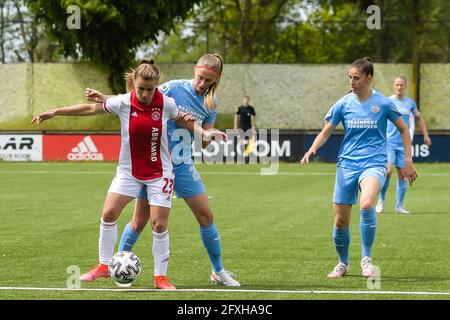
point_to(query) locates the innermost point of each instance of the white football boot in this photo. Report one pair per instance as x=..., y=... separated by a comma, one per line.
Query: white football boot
x=379, y=207
x=340, y=270
x=401, y=210
x=224, y=278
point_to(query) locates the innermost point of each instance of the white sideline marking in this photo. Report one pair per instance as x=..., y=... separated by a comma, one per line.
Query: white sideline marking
x=112, y=172
x=427, y=293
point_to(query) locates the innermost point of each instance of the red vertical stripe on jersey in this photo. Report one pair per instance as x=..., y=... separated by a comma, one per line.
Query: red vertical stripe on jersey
x=145, y=131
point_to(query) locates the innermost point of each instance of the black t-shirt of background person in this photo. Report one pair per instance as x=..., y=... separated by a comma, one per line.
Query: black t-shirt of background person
x=245, y=117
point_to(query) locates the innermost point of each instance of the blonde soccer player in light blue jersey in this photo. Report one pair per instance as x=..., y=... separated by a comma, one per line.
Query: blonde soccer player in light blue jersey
x=395, y=151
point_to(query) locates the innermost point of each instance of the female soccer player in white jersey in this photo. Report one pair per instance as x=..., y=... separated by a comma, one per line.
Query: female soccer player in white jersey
x=362, y=160
x=143, y=113
x=395, y=151
x=196, y=97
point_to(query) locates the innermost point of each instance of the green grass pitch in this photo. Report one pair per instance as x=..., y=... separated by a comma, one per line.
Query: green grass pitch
x=276, y=234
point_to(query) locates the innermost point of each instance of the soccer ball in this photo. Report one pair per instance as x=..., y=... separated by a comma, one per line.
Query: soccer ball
x=124, y=267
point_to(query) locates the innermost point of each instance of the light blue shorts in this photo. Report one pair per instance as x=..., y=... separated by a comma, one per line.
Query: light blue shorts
x=188, y=182
x=396, y=156
x=347, y=183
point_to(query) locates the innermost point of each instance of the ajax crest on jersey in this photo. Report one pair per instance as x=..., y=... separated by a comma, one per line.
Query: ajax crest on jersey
x=124, y=267
x=155, y=116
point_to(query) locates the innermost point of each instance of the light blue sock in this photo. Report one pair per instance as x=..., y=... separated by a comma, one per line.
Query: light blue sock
x=401, y=192
x=385, y=188
x=341, y=239
x=129, y=238
x=368, y=228
x=211, y=241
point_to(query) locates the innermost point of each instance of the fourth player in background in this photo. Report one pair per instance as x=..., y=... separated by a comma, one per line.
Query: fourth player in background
x=395, y=149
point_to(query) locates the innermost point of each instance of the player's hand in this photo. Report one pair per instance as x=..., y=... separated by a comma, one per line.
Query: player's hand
x=216, y=134
x=43, y=116
x=187, y=116
x=307, y=155
x=94, y=95
x=427, y=140
x=410, y=171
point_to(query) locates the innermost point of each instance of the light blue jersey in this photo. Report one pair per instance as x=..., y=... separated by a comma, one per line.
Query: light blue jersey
x=188, y=182
x=364, y=143
x=405, y=106
x=188, y=101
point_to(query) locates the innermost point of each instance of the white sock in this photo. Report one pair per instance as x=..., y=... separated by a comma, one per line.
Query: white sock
x=161, y=252
x=107, y=241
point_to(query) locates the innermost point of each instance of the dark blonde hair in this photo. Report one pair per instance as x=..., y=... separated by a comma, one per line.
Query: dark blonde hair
x=147, y=70
x=400, y=77
x=214, y=62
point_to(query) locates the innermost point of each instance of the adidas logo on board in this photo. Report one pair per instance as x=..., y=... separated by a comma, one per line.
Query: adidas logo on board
x=85, y=150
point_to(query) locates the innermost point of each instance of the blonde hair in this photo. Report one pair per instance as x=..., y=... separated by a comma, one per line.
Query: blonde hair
x=147, y=70
x=215, y=62
x=400, y=77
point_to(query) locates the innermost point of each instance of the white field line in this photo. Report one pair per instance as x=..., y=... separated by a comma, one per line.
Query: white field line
x=369, y=292
x=442, y=174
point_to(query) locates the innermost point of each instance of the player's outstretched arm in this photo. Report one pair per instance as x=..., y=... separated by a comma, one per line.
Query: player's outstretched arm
x=319, y=141
x=410, y=171
x=75, y=110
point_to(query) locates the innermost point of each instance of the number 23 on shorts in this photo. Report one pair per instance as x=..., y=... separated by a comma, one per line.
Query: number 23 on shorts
x=168, y=186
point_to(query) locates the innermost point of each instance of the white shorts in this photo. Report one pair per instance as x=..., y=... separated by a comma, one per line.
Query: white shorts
x=159, y=191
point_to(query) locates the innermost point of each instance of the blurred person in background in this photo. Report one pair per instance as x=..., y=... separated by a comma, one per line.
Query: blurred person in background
x=395, y=150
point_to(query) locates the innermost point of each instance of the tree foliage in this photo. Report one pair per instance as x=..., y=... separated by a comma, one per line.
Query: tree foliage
x=110, y=30
x=20, y=34
x=242, y=31
x=400, y=20
x=320, y=31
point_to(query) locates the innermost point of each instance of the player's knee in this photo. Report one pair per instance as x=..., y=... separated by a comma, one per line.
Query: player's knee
x=365, y=204
x=159, y=227
x=205, y=220
x=341, y=223
x=204, y=217
x=109, y=216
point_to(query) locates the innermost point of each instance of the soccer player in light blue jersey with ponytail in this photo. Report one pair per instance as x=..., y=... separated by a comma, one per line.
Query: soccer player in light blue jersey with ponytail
x=362, y=161
x=395, y=151
x=197, y=98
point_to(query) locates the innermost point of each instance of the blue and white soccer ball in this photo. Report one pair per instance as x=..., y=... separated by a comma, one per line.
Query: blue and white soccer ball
x=124, y=267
